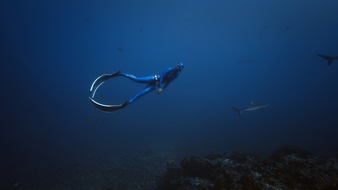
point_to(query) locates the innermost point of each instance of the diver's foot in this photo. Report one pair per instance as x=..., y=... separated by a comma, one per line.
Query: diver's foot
x=124, y=104
x=117, y=73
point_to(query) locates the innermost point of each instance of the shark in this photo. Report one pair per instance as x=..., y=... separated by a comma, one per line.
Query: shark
x=329, y=59
x=252, y=107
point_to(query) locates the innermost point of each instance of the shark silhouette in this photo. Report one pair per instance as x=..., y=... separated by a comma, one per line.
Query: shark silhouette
x=329, y=59
x=253, y=107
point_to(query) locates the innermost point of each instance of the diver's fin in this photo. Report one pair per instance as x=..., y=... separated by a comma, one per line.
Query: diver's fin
x=329, y=59
x=237, y=110
x=100, y=80
x=107, y=108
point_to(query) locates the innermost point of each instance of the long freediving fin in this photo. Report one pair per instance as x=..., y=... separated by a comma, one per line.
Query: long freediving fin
x=329, y=59
x=100, y=80
x=107, y=108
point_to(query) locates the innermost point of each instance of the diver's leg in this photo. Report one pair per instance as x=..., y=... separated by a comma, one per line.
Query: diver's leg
x=114, y=108
x=145, y=79
x=146, y=90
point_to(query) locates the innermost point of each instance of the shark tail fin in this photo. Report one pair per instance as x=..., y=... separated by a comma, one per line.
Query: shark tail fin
x=237, y=110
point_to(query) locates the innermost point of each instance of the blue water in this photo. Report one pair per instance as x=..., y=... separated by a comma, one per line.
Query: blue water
x=234, y=51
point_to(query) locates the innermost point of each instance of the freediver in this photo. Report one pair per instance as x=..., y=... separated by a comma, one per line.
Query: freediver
x=159, y=82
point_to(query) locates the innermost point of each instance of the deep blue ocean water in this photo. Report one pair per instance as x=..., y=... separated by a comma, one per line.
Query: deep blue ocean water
x=234, y=51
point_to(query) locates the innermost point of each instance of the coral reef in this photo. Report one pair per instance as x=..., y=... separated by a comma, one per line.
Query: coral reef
x=289, y=167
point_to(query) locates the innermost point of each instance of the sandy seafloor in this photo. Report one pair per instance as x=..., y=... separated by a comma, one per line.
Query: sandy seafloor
x=131, y=168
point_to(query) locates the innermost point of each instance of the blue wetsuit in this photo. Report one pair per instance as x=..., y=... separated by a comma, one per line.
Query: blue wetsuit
x=159, y=82
x=153, y=82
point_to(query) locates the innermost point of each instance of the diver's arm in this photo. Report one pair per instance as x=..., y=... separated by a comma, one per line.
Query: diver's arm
x=165, y=85
x=164, y=73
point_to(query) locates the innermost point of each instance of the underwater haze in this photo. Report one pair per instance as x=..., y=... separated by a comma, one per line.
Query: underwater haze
x=236, y=53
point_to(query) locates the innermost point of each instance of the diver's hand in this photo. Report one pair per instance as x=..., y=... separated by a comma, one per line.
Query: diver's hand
x=159, y=90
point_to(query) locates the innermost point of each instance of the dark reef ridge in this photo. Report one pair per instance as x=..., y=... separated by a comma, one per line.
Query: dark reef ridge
x=289, y=167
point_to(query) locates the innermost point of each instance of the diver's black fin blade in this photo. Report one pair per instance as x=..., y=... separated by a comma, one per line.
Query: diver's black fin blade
x=106, y=108
x=329, y=59
x=100, y=80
